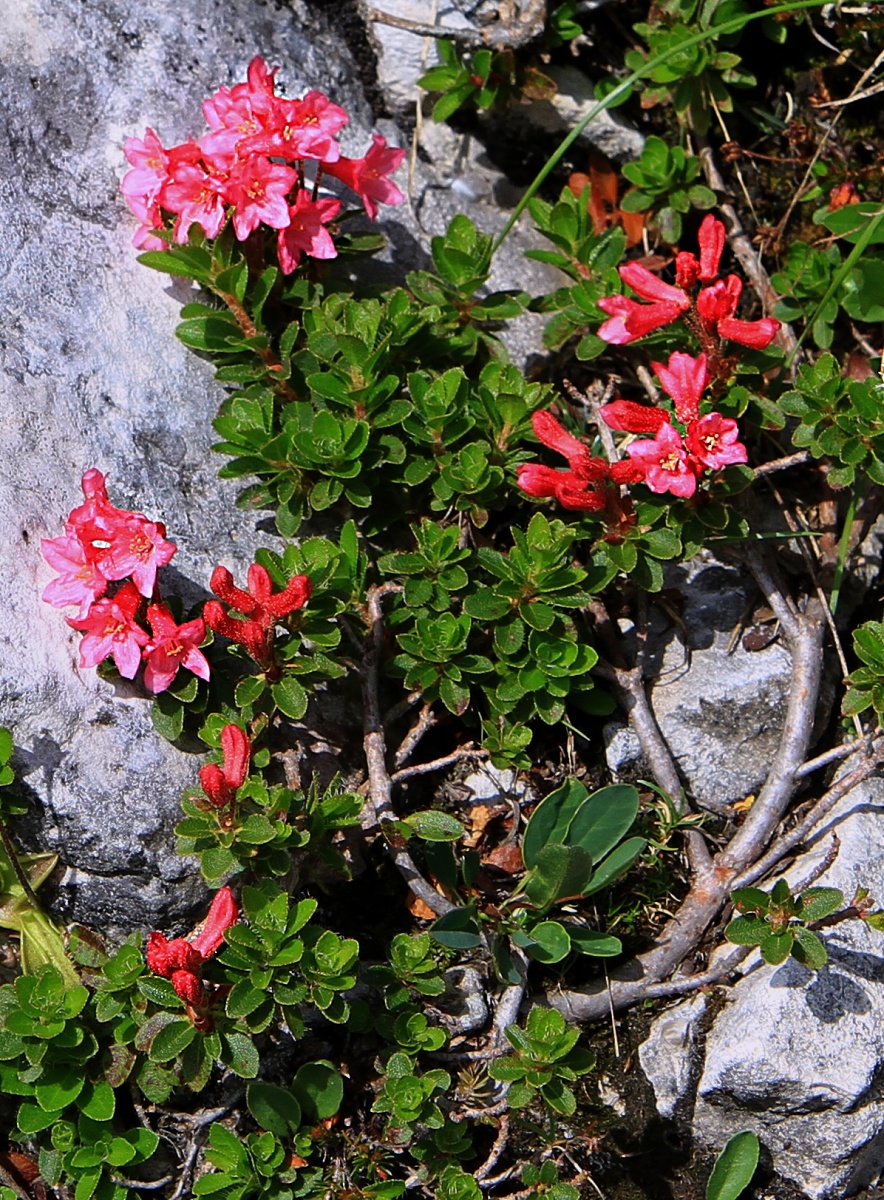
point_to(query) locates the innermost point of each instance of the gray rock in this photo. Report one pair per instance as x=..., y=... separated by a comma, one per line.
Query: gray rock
x=623, y=752
x=668, y=1056
x=797, y=1055
x=720, y=707
x=402, y=56
x=609, y=132
x=93, y=376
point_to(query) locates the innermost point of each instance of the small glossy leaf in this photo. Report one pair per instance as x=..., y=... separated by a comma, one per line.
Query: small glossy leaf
x=274, y=1108
x=319, y=1088
x=734, y=1167
x=432, y=825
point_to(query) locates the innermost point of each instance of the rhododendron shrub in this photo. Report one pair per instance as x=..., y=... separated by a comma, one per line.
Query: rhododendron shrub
x=261, y=165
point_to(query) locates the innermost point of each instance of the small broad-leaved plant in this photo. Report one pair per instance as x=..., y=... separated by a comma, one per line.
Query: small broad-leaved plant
x=777, y=922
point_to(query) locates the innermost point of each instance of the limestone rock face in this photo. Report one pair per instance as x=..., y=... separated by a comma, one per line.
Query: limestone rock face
x=797, y=1055
x=92, y=375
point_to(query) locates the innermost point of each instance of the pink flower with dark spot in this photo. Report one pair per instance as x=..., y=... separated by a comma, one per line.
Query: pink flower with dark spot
x=197, y=197
x=367, y=176
x=667, y=466
x=111, y=632
x=714, y=441
x=306, y=232
x=172, y=646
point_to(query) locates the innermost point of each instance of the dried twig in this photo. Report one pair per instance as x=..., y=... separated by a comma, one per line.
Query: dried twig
x=438, y=764
x=527, y=24
x=375, y=748
x=805, y=826
x=425, y=720
x=782, y=464
x=496, y=1152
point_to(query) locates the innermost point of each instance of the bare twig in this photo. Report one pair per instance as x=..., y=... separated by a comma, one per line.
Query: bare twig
x=692, y=983
x=438, y=764
x=834, y=755
x=408, y=745
x=805, y=826
x=782, y=464
x=375, y=748
x=496, y=1152
x=525, y=27
x=591, y=401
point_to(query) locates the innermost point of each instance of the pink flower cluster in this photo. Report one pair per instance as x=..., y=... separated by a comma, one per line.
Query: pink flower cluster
x=673, y=460
x=105, y=545
x=182, y=961
x=251, y=164
x=678, y=454
x=710, y=314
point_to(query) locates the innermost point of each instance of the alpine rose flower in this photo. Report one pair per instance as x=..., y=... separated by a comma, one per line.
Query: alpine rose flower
x=666, y=465
x=261, y=608
x=222, y=783
x=172, y=646
x=111, y=631
x=711, y=313
x=580, y=489
x=181, y=961
x=251, y=167
x=714, y=442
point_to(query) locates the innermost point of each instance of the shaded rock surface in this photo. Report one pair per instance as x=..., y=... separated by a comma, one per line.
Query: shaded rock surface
x=721, y=707
x=93, y=376
x=797, y=1055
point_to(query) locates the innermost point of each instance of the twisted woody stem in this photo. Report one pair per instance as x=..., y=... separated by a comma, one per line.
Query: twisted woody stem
x=644, y=975
x=380, y=785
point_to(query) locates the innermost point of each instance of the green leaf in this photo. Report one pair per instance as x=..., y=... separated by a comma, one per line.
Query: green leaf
x=434, y=826
x=486, y=606
x=547, y=942
x=551, y=819
x=819, y=902
x=319, y=1088
x=457, y=930
x=560, y=873
x=593, y=943
x=616, y=864
x=97, y=1101
x=734, y=1167
x=603, y=819
x=171, y=1040
x=274, y=1108
x=238, y=1052
x=290, y=697
x=808, y=949
x=777, y=947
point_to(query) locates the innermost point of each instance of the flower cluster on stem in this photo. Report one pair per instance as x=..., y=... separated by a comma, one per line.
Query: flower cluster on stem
x=251, y=166
x=221, y=783
x=181, y=961
x=261, y=609
x=708, y=311
x=103, y=546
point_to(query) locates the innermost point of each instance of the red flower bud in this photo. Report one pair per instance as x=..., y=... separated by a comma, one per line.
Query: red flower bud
x=190, y=989
x=630, y=417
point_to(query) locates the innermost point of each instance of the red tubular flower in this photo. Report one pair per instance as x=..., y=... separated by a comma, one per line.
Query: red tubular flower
x=684, y=379
x=221, y=783
x=260, y=606
x=630, y=417
x=711, y=238
x=755, y=334
x=182, y=961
